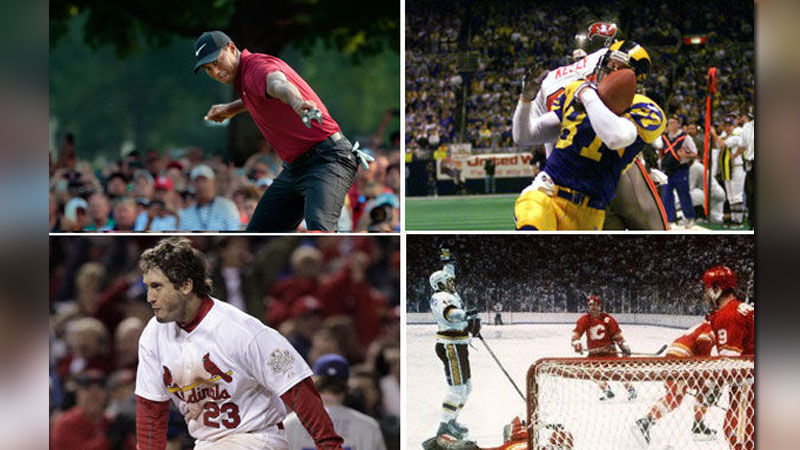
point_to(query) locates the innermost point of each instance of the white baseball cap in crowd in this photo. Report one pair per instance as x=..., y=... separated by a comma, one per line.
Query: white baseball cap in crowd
x=201, y=170
x=72, y=206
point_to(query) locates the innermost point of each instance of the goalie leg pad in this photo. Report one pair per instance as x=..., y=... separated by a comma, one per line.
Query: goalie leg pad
x=454, y=400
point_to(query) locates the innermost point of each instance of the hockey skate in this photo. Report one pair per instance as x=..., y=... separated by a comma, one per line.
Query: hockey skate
x=700, y=432
x=641, y=431
x=451, y=428
x=459, y=427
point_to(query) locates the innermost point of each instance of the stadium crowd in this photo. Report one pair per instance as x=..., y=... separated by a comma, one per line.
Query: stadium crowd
x=633, y=274
x=470, y=56
x=325, y=295
x=161, y=191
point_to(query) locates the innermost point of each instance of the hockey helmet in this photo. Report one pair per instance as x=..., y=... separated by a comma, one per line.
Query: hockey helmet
x=720, y=277
x=439, y=277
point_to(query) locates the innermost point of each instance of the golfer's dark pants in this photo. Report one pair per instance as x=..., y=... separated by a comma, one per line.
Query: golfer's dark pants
x=313, y=186
x=678, y=181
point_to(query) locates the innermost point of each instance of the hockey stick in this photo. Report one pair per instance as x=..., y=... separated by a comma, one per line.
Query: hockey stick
x=604, y=349
x=501, y=368
x=660, y=350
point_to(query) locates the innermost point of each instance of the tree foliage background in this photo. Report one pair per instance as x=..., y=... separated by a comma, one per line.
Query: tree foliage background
x=121, y=71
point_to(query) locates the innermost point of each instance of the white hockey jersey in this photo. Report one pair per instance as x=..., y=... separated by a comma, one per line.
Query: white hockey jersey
x=451, y=328
x=226, y=376
x=359, y=431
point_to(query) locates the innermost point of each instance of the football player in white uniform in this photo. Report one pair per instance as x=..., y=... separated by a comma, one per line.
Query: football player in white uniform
x=456, y=328
x=359, y=431
x=230, y=376
x=732, y=167
x=636, y=204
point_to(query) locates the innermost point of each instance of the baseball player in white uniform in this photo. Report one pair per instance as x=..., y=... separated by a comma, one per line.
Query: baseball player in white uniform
x=230, y=376
x=359, y=431
x=636, y=204
x=456, y=328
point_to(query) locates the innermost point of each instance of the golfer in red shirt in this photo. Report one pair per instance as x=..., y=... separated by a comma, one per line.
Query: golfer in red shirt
x=319, y=163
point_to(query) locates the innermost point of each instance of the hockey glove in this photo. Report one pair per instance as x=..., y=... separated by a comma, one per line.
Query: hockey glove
x=444, y=254
x=626, y=350
x=474, y=327
x=577, y=346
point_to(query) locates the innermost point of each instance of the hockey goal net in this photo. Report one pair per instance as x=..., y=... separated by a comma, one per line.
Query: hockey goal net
x=565, y=410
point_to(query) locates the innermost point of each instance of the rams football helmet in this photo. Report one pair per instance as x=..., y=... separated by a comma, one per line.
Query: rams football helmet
x=626, y=54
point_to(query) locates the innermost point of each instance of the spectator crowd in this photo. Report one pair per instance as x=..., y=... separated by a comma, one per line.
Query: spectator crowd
x=633, y=274
x=190, y=190
x=325, y=295
x=465, y=59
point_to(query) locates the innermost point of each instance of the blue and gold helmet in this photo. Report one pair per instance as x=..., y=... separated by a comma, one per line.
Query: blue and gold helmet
x=629, y=54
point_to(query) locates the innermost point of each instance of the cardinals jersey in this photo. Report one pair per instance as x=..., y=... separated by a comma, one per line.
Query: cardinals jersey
x=734, y=326
x=446, y=309
x=599, y=330
x=582, y=162
x=359, y=431
x=556, y=80
x=225, y=376
x=696, y=341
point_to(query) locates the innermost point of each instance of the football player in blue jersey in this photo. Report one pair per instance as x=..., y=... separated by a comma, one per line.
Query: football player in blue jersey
x=594, y=148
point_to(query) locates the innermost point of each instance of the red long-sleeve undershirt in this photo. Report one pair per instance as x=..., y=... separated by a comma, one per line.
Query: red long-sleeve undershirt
x=303, y=398
x=151, y=424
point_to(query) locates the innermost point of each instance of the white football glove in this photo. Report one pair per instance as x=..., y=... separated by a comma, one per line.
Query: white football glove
x=543, y=183
x=658, y=177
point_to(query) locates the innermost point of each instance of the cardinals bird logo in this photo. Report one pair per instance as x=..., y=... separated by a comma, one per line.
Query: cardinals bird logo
x=212, y=368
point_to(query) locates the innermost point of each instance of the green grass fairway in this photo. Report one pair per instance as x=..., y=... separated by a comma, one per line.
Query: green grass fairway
x=481, y=212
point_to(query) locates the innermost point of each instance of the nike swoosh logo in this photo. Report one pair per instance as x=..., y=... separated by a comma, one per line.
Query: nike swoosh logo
x=197, y=53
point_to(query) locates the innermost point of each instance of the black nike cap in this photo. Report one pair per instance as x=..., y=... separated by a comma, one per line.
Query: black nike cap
x=208, y=46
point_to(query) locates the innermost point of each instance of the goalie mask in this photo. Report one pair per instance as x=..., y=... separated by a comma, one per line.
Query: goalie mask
x=623, y=54
x=596, y=36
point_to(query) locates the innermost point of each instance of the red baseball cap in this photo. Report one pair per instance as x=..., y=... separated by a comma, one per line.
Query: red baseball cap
x=175, y=165
x=163, y=182
x=306, y=305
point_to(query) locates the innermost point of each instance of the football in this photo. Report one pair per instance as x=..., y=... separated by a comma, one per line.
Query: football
x=617, y=89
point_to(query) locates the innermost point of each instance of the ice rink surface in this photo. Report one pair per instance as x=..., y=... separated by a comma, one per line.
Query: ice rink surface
x=494, y=402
